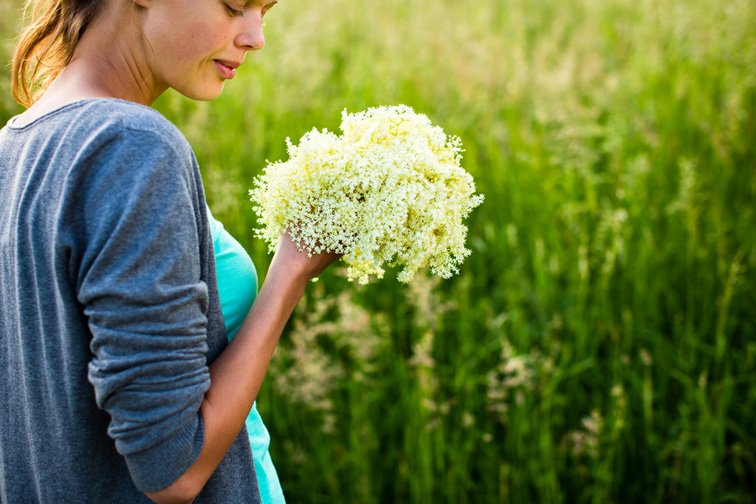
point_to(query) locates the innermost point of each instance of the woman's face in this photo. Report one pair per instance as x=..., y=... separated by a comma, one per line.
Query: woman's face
x=195, y=46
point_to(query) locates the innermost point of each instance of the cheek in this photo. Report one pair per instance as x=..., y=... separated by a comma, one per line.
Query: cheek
x=188, y=49
x=184, y=41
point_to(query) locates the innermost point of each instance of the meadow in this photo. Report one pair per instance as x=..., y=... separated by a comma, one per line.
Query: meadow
x=598, y=345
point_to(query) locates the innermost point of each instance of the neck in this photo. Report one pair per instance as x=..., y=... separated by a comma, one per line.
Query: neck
x=110, y=61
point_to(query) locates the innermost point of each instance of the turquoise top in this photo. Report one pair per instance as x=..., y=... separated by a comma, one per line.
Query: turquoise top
x=237, y=286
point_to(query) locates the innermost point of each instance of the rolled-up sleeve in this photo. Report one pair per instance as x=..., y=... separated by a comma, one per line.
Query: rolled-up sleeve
x=140, y=285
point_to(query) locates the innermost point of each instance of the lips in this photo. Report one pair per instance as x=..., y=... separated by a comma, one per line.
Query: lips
x=227, y=69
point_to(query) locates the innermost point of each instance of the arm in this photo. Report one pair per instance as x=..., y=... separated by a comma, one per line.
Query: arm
x=236, y=376
x=136, y=261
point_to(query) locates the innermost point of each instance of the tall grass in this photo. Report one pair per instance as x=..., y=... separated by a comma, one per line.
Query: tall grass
x=598, y=346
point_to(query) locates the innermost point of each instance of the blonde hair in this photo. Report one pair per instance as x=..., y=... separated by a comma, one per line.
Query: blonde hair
x=45, y=47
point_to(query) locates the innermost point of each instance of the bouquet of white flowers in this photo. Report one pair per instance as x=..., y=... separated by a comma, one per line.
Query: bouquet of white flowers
x=389, y=191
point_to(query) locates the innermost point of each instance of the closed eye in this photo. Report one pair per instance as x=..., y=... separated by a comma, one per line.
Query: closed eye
x=233, y=12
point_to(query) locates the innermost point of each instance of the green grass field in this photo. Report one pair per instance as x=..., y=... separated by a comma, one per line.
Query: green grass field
x=598, y=346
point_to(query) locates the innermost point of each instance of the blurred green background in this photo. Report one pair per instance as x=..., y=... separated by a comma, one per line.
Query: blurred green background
x=598, y=346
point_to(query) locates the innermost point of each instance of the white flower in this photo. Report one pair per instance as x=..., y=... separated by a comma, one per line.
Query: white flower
x=389, y=191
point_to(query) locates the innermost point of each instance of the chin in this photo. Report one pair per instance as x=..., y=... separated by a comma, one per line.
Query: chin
x=206, y=93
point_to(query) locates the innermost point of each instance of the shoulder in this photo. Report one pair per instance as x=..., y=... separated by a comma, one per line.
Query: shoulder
x=106, y=137
x=129, y=152
x=80, y=134
x=127, y=121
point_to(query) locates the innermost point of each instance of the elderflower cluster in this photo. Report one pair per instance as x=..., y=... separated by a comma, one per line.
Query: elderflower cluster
x=388, y=191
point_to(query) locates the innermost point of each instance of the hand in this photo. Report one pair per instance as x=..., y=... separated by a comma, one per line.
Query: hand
x=289, y=259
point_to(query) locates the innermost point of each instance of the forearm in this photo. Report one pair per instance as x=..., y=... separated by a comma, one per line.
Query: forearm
x=236, y=378
x=237, y=375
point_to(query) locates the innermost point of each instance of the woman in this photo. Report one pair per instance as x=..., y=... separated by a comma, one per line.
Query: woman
x=116, y=380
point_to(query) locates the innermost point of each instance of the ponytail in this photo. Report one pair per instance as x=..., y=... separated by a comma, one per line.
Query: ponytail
x=46, y=46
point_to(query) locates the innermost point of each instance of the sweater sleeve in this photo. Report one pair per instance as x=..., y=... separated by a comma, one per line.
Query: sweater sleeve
x=139, y=281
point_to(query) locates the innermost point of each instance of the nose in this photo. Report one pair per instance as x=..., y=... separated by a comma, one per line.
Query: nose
x=251, y=38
